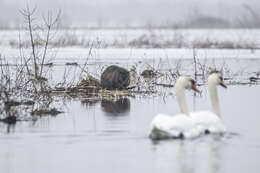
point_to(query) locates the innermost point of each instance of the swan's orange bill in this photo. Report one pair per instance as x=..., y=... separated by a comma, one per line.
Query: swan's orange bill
x=194, y=87
x=223, y=84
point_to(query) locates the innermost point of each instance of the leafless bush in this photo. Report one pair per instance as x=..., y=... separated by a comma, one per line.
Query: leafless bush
x=38, y=54
x=26, y=79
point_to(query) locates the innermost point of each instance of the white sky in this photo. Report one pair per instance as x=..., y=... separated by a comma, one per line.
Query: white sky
x=128, y=12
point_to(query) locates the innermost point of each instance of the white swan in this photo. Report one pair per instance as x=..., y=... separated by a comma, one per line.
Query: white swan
x=180, y=125
x=211, y=122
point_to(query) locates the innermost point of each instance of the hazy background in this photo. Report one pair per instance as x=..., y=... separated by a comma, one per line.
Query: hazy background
x=140, y=13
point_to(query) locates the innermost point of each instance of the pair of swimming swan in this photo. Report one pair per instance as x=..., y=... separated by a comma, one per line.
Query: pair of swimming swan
x=190, y=124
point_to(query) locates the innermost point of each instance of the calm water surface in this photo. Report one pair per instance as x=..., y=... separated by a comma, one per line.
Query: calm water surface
x=113, y=137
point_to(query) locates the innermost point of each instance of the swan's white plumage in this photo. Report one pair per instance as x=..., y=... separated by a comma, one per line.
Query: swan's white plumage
x=211, y=121
x=208, y=121
x=180, y=125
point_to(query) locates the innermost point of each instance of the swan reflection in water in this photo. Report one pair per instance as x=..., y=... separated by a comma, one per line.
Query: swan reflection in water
x=191, y=161
x=190, y=156
x=117, y=107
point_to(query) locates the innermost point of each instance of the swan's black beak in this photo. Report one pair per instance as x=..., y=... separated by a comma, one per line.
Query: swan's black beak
x=223, y=84
x=194, y=88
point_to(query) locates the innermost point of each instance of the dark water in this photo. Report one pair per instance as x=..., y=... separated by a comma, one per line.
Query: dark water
x=113, y=137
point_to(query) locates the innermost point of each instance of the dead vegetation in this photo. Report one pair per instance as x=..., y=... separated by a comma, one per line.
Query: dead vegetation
x=150, y=38
x=24, y=86
x=42, y=112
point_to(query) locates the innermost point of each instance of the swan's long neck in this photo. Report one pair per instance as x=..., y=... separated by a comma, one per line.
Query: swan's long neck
x=181, y=98
x=214, y=98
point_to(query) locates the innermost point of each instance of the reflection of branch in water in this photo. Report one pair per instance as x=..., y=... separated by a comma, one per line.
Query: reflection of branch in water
x=116, y=107
x=10, y=128
x=90, y=102
x=7, y=128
